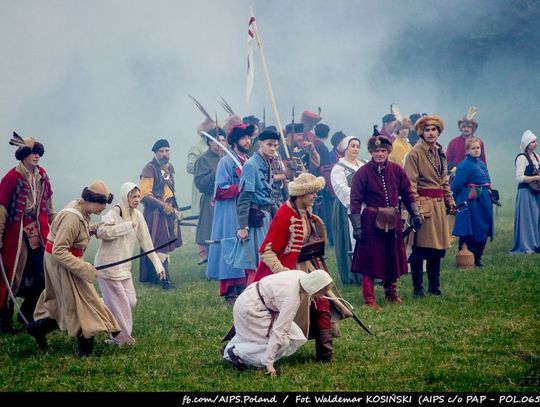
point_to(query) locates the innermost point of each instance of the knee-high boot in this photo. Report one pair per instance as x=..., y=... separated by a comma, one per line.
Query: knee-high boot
x=40, y=328
x=368, y=292
x=6, y=320
x=433, y=269
x=86, y=346
x=323, y=345
x=417, y=273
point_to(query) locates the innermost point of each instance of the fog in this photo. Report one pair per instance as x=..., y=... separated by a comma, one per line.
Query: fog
x=99, y=82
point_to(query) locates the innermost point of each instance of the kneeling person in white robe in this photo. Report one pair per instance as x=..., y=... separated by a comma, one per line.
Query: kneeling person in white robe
x=271, y=317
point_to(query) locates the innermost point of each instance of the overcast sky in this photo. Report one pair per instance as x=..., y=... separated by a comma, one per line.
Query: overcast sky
x=98, y=82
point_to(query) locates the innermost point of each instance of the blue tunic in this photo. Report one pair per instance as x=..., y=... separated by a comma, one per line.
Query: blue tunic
x=224, y=223
x=474, y=220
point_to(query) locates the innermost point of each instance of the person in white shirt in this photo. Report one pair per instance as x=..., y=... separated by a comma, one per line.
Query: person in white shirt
x=271, y=318
x=123, y=227
x=341, y=177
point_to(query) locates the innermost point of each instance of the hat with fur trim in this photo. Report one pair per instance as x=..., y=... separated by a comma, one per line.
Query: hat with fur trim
x=238, y=131
x=429, y=120
x=315, y=281
x=310, y=118
x=305, y=183
x=469, y=118
x=379, y=142
x=26, y=146
x=97, y=192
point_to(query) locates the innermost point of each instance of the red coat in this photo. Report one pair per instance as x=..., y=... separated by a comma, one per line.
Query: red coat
x=14, y=192
x=382, y=255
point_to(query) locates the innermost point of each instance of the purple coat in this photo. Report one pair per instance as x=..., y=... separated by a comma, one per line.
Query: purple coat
x=382, y=255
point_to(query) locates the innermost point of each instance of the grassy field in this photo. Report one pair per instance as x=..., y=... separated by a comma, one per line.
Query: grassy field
x=482, y=335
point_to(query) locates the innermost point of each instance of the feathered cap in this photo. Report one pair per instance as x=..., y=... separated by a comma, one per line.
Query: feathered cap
x=429, y=120
x=402, y=121
x=379, y=142
x=97, y=192
x=208, y=122
x=469, y=118
x=310, y=118
x=305, y=183
x=26, y=146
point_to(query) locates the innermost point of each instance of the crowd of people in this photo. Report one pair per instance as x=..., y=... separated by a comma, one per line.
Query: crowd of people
x=268, y=204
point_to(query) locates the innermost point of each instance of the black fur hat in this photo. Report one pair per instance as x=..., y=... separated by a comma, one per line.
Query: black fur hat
x=26, y=146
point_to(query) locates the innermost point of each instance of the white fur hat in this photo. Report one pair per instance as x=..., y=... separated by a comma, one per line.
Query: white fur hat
x=315, y=281
x=527, y=138
x=305, y=183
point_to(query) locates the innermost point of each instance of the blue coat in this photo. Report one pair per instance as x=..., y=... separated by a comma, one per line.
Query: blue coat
x=476, y=218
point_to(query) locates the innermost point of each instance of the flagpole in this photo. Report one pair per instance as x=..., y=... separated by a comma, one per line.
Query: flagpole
x=269, y=88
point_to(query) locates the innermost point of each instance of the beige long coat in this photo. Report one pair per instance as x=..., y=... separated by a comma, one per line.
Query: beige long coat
x=435, y=232
x=70, y=297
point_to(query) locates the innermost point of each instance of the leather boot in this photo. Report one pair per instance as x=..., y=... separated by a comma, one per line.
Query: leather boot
x=390, y=292
x=6, y=320
x=40, y=328
x=433, y=268
x=368, y=292
x=86, y=346
x=417, y=273
x=323, y=345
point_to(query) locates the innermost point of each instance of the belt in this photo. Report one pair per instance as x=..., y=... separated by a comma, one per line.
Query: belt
x=431, y=193
x=374, y=209
x=73, y=250
x=266, y=208
x=272, y=313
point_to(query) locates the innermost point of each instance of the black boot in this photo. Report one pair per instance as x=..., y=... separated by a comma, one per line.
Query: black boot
x=323, y=345
x=40, y=328
x=86, y=346
x=433, y=268
x=6, y=320
x=417, y=273
x=167, y=284
x=27, y=308
x=231, y=295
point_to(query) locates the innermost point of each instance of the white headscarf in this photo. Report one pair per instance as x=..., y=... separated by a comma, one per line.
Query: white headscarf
x=527, y=138
x=315, y=281
x=125, y=189
x=344, y=144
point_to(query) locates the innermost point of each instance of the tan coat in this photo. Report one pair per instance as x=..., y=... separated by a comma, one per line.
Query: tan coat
x=70, y=297
x=435, y=232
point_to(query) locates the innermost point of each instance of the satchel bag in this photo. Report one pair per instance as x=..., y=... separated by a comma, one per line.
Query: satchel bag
x=386, y=218
x=426, y=207
x=256, y=218
x=311, y=250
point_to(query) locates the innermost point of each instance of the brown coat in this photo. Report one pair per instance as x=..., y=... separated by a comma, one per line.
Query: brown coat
x=70, y=297
x=435, y=232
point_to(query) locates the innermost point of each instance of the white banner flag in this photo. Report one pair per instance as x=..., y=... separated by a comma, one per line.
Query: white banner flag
x=250, y=72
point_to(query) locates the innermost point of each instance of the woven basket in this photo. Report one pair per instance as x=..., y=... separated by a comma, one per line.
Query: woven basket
x=465, y=258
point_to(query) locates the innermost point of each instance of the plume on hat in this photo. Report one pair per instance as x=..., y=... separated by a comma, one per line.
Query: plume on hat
x=18, y=141
x=471, y=113
x=395, y=111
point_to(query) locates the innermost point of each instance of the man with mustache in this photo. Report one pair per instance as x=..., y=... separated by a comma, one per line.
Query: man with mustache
x=160, y=212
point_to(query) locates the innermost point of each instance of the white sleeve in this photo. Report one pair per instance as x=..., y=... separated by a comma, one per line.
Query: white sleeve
x=143, y=236
x=521, y=164
x=113, y=227
x=340, y=185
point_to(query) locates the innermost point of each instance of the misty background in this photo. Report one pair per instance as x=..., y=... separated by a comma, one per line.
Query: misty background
x=99, y=82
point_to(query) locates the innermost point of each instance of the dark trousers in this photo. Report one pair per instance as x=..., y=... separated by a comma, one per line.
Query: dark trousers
x=433, y=268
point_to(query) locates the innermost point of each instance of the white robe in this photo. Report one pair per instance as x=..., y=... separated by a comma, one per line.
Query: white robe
x=281, y=293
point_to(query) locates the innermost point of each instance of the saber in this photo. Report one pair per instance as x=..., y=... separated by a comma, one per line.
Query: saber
x=10, y=293
x=116, y=263
x=224, y=149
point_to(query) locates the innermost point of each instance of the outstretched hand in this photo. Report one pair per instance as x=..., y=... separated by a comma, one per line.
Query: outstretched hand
x=270, y=370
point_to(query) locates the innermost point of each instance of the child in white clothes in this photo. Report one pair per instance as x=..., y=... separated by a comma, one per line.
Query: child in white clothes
x=123, y=227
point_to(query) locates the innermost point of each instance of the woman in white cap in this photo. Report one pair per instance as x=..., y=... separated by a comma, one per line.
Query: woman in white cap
x=527, y=213
x=271, y=318
x=70, y=300
x=341, y=177
x=122, y=230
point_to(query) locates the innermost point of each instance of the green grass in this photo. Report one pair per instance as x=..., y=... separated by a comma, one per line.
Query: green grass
x=482, y=335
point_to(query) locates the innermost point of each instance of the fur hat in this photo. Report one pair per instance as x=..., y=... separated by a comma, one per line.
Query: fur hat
x=428, y=120
x=469, y=119
x=316, y=281
x=337, y=137
x=527, y=138
x=26, y=146
x=238, y=131
x=269, y=134
x=160, y=144
x=322, y=130
x=97, y=192
x=310, y=118
x=305, y=183
x=379, y=142
x=294, y=128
